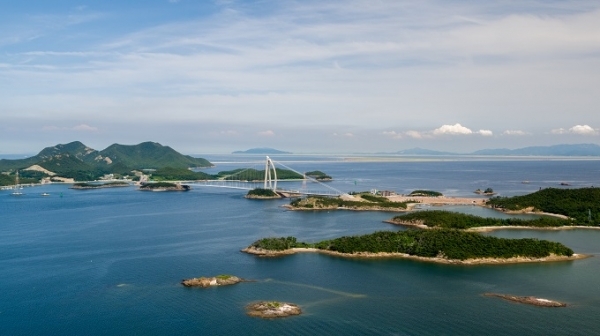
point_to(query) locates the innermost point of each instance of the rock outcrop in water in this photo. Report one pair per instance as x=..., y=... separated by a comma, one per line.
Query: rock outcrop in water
x=530, y=300
x=219, y=280
x=272, y=309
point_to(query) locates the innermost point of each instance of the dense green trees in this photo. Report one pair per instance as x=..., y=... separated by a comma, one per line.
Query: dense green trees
x=262, y=192
x=420, y=192
x=454, y=220
x=447, y=243
x=582, y=204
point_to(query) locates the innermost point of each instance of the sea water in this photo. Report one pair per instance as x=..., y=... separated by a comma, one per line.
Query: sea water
x=110, y=261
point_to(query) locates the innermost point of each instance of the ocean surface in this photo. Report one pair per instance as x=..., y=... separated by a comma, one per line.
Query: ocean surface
x=110, y=261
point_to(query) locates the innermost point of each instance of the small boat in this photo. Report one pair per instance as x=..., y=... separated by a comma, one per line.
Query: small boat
x=45, y=194
x=17, y=186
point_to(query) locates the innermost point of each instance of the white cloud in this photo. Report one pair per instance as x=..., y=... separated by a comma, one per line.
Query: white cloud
x=577, y=129
x=85, y=128
x=79, y=128
x=267, y=133
x=414, y=134
x=485, y=132
x=392, y=134
x=348, y=134
x=456, y=129
x=514, y=132
x=583, y=130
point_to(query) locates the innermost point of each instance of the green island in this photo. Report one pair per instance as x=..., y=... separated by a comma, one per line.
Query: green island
x=438, y=245
x=318, y=175
x=430, y=193
x=261, y=193
x=582, y=204
x=487, y=191
x=455, y=220
x=87, y=185
x=164, y=186
x=361, y=201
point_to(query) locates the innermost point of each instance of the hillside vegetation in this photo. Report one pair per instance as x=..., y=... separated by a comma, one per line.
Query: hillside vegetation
x=327, y=203
x=76, y=160
x=454, y=220
x=446, y=243
x=574, y=203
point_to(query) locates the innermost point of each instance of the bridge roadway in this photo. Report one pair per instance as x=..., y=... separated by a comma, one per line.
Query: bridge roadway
x=249, y=185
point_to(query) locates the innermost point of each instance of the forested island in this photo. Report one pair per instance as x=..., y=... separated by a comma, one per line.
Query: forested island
x=164, y=186
x=439, y=245
x=455, y=220
x=261, y=193
x=582, y=205
x=364, y=201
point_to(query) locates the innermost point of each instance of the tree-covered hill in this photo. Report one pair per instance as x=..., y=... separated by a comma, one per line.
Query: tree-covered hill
x=454, y=220
x=76, y=160
x=450, y=244
x=578, y=204
x=150, y=155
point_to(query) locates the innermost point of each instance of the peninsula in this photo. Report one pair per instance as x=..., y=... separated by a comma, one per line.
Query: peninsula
x=362, y=201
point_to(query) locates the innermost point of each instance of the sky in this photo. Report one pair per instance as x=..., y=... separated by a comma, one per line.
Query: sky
x=302, y=76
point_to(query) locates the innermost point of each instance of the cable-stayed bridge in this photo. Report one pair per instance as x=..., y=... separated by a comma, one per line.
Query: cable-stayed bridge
x=251, y=178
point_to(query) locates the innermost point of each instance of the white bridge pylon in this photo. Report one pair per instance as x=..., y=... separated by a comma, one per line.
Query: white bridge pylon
x=270, y=181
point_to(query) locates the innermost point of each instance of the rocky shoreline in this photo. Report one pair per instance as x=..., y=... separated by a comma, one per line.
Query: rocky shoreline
x=530, y=300
x=368, y=255
x=272, y=309
x=204, y=282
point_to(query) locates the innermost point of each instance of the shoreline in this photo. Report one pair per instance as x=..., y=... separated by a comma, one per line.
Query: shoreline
x=436, y=260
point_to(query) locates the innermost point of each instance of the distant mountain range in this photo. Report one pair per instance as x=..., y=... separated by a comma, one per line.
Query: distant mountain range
x=79, y=161
x=556, y=150
x=262, y=150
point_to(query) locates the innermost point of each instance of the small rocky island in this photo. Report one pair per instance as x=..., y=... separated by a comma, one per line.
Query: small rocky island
x=219, y=280
x=164, y=186
x=530, y=300
x=272, y=309
x=260, y=193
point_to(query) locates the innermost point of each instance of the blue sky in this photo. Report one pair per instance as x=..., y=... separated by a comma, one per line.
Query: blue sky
x=302, y=76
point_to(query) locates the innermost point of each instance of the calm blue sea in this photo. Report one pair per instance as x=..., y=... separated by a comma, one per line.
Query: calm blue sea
x=109, y=261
